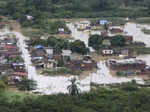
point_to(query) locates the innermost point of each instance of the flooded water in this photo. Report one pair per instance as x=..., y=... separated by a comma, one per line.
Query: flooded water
x=135, y=30
x=54, y=85
x=138, y=35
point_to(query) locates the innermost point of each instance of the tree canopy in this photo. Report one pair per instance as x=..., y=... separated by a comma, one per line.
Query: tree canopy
x=96, y=41
x=128, y=98
x=72, y=8
x=118, y=40
x=58, y=44
x=79, y=47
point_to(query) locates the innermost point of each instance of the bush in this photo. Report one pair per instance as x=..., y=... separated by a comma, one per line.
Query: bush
x=120, y=73
x=118, y=40
x=60, y=71
x=3, y=86
x=79, y=47
x=95, y=41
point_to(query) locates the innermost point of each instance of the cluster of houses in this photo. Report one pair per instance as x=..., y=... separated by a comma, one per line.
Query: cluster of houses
x=93, y=27
x=129, y=67
x=108, y=50
x=107, y=34
x=47, y=58
x=11, y=62
x=124, y=53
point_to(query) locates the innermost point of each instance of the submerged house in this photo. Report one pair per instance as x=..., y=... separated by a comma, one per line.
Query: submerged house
x=38, y=54
x=87, y=63
x=129, y=39
x=61, y=30
x=107, y=52
x=10, y=63
x=18, y=67
x=16, y=77
x=116, y=30
x=104, y=33
x=128, y=65
x=66, y=53
x=49, y=52
x=83, y=25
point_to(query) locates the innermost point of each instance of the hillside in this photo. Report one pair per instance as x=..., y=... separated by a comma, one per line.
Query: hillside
x=74, y=8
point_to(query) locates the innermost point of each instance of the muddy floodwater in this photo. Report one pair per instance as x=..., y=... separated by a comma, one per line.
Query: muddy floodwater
x=58, y=84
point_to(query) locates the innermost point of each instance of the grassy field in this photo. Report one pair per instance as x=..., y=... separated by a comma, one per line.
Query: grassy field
x=143, y=20
x=30, y=32
x=11, y=96
x=60, y=71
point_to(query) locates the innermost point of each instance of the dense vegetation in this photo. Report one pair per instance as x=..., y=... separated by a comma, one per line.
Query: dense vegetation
x=41, y=10
x=72, y=8
x=126, y=99
x=97, y=41
x=60, y=71
x=59, y=44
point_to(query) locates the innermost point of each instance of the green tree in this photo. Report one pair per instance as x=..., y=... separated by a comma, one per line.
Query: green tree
x=73, y=88
x=118, y=40
x=79, y=47
x=96, y=41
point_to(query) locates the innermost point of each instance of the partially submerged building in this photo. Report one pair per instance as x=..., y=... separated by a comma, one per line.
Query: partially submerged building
x=127, y=64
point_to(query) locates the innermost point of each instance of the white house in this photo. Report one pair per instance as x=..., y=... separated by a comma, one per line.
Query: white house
x=107, y=52
x=95, y=32
x=66, y=52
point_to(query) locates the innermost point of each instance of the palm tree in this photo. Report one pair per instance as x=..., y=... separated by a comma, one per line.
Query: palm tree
x=73, y=89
